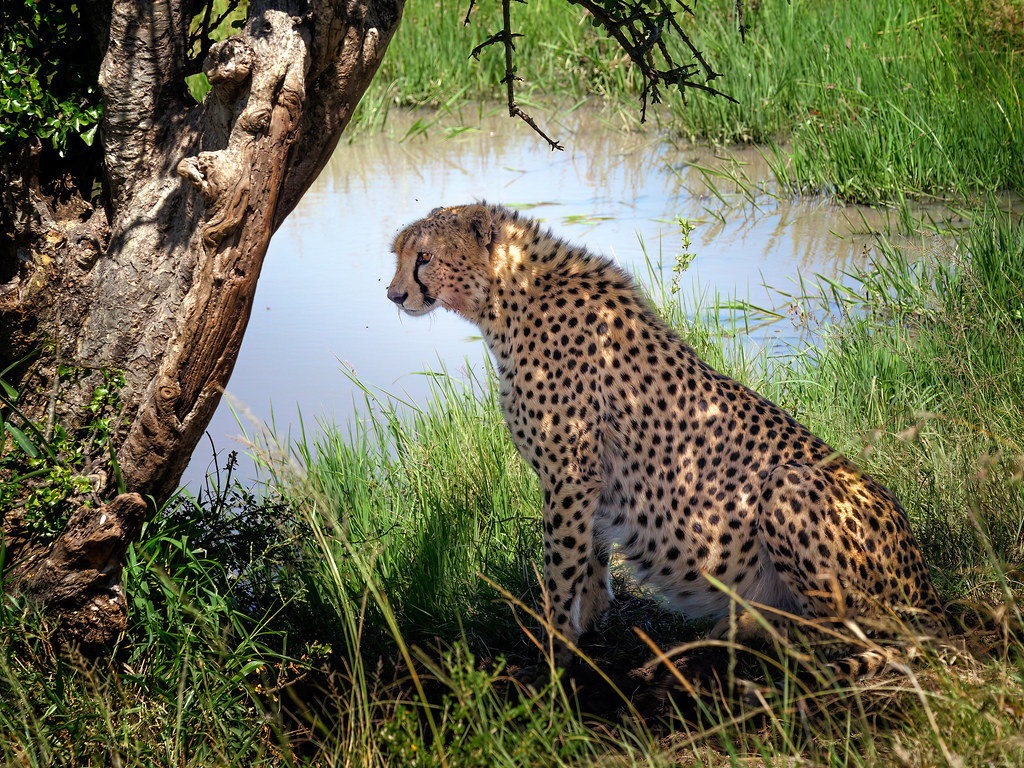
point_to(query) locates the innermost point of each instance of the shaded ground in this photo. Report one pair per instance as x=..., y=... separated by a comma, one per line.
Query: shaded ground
x=684, y=700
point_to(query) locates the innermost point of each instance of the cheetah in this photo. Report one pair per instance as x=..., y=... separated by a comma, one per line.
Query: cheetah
x=641, y=446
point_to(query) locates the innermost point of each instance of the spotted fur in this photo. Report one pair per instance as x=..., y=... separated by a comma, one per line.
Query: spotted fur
x=641, y=446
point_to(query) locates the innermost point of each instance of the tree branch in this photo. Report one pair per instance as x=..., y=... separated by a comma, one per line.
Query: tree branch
x=640, y=32
x=507, y=38
x=640, y=42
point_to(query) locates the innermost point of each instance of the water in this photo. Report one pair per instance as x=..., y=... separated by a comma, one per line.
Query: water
x=321, y=300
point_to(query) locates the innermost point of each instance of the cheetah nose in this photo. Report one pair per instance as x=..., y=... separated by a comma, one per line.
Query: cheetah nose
x=398, y=298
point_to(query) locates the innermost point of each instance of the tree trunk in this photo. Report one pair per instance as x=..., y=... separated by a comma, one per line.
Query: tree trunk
x=157, y=283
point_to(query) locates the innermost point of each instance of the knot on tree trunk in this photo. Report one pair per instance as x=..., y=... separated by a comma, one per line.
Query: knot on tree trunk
x=222, y=178
x=80, y=579
x=246, y=86
x=228, y=65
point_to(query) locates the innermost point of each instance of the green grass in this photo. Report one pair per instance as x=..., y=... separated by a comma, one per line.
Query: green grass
x=873, y=100
x=867, y=101
x=360, y=613
x=427, y=501
x=559, y=51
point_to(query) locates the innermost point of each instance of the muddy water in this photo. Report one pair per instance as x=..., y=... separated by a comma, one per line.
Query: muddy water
x=321, y=300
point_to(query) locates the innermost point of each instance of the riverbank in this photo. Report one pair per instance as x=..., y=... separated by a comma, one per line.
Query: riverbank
x=364, y=607
x=876, y=101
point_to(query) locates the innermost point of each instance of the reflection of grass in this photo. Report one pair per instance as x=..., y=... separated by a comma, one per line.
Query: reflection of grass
x=585, y=218
x=875, y=100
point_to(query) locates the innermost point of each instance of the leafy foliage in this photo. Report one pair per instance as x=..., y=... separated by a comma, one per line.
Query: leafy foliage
x=254, y=546
x=47, y=89
x=43, y=472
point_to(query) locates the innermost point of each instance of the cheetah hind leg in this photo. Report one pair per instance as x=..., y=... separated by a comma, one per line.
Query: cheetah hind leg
x=768, y=629
x=842, y=545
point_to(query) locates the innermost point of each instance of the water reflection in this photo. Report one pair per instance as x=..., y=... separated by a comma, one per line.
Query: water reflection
x=321, y=298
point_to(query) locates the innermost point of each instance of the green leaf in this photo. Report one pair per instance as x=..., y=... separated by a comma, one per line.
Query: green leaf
x=22, y=440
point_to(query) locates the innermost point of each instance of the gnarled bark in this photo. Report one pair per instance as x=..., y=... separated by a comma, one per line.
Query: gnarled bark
x=158, y=283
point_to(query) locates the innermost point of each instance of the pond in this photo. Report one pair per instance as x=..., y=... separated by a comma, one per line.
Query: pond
x=321, y=300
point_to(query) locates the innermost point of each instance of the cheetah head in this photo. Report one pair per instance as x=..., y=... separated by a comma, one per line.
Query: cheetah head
x=443, y=261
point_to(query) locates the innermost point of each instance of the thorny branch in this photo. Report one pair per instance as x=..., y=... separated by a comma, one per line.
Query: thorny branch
x=643, y=29
x=506, y=36
x=639, y=28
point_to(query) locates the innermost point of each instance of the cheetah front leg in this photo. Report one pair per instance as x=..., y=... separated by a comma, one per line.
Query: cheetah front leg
x=575, y=566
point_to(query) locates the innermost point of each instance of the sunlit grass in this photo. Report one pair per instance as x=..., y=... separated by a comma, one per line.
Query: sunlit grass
x=362, y=611
x=868, y=102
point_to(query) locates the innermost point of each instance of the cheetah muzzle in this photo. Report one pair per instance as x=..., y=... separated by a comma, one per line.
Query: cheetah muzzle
x=641, y=446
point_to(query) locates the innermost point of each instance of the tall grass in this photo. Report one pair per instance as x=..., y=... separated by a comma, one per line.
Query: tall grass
x=873, y=99
x=867, y=101
x=389, y=630
x=916, y=381
x=924, y=382
x=186, y=686
x=559, y=52
x=914, y=373
x=426, y=499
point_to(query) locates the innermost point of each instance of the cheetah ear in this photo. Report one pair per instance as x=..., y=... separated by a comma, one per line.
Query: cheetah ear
x=396, y=246
x=478, y=219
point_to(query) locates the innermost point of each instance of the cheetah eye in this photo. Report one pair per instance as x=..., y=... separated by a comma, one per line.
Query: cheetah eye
x=423, y=258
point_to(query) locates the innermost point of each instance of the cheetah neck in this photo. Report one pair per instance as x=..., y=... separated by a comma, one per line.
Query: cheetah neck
x=536, y=278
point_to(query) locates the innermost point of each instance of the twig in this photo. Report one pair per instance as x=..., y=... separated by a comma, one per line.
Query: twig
x=507, y=38
x=530, y=122
x=497, y=37
x=640, y=41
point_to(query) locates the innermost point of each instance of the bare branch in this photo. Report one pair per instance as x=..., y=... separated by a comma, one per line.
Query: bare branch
x=510, y=77
x=530, y=122
x=497, y=37
x=640, y=34
x=642, y=31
